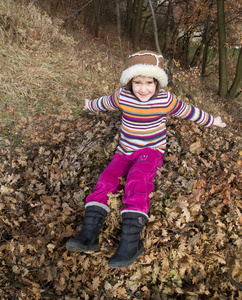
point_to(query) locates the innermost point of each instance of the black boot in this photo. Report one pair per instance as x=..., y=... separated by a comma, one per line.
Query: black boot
x=130, y=247
x=87, y=239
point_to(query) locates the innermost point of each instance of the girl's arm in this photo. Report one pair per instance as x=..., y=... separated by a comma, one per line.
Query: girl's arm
x=104, y=103
x=192, y=113
x=218, y=122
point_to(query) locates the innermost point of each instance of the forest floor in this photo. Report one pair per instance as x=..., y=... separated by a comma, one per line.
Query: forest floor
x=52, y=154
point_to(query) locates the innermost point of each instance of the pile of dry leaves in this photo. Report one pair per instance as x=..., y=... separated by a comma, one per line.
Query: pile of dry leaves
x=192, y=239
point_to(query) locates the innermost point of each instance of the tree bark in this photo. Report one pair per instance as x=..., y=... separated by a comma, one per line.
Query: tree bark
x=187, y=39
x=237, y=83
x=204, y=41
x=119, y=26
x=137, y=30
x=167, y=26
x=97, y=7
x=223, y=78
x=129, y=17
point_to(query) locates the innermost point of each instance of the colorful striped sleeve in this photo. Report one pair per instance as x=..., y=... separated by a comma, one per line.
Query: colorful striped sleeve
x=192, y=113
x=105, y=103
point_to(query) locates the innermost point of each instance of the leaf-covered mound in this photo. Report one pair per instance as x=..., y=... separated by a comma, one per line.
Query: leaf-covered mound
x=192, y=238
x=52, y=154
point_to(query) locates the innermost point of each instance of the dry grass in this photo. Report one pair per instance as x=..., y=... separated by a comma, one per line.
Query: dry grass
x=32, y=62
x=43, y=70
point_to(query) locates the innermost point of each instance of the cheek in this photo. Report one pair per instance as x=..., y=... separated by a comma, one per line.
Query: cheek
x=135, y=88
x=153, y=88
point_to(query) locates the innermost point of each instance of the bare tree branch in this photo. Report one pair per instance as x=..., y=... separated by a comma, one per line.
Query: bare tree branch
x=155, y=28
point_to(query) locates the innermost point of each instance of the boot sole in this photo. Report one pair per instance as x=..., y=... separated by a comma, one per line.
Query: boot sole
x=77, y=247
x=125, y=264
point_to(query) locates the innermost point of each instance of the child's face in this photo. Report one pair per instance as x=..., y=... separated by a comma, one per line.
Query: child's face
x=143, y=87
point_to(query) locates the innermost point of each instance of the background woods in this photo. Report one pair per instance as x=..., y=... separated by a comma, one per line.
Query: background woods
x=51, y=152
x=190, y=31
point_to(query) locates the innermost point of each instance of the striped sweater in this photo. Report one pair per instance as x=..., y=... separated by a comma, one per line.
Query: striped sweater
x=144, y=123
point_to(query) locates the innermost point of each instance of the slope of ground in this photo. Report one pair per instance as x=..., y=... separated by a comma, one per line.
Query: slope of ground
x=52, y=154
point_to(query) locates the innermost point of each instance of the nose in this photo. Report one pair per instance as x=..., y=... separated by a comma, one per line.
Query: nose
x=143, y=88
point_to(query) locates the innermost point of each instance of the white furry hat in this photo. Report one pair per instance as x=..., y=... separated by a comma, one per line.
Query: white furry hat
x=145, y=63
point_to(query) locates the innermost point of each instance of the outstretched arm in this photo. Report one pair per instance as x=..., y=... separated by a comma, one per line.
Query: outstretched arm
x=104, y=103
x=218, y=122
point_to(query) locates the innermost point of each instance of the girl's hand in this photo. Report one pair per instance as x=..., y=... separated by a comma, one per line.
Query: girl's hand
x=86, y=104
x=218, y=122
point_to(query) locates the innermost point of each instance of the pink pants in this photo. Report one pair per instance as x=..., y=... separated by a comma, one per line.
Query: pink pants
x=139, y=169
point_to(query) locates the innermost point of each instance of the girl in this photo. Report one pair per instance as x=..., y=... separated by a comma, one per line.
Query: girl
x=144, y=105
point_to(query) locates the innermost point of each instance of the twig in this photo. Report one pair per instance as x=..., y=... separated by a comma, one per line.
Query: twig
x=101, y=293
x=177, y=233
x=52, y=296
x=238, y=285
x=30, y=268
x=77, y=11
x=55, y=296
x=211, y=221
x=15, y=282
x=9, y=295
x=131, y=294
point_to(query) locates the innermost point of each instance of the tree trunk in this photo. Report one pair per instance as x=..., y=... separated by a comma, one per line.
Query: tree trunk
x=97, y=7
x=203, y=42
x=167, y=26
x=237, y=83
x=155, y=28
x=187, y=39
x=119, y=26
x=137, y=29
x=129, y=17
x=223, y=78
x=205, y=58
x=146, y=19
